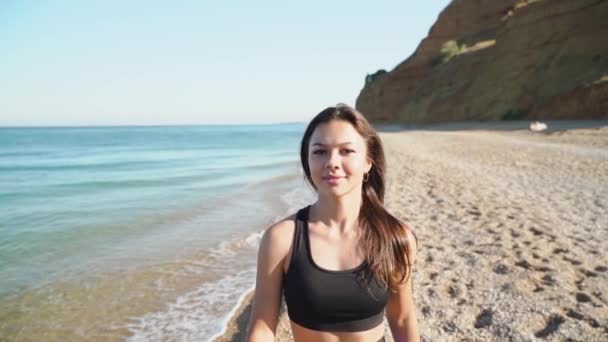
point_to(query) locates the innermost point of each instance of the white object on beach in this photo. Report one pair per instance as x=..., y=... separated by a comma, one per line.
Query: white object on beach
x=537, y=126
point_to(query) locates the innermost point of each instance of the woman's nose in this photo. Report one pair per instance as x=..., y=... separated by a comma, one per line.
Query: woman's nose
x=334, y=161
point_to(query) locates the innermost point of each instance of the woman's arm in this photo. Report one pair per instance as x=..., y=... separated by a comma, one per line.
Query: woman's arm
x=274, y=247
x=400, y=310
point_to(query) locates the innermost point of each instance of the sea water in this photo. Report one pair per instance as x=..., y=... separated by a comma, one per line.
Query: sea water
x=141, y=233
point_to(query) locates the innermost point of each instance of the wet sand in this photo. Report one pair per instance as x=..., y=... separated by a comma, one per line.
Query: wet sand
x=512, y=226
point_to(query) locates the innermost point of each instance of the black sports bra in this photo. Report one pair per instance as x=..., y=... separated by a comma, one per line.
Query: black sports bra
x=327, y=300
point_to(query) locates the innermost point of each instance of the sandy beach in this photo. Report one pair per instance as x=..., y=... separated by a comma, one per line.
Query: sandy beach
x=512, y=226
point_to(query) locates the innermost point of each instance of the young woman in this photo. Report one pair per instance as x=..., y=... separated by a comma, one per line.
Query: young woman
x=344, y=261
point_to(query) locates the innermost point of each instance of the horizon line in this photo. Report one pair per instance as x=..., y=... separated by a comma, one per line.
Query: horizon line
x=150, y=125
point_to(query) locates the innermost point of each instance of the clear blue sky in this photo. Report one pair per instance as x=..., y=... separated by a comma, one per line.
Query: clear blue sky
x=113, y=62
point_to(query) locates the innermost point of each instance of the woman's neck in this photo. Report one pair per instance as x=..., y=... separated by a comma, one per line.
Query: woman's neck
x=337, y=213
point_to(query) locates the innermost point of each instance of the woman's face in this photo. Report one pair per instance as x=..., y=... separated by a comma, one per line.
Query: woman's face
x=337, y=157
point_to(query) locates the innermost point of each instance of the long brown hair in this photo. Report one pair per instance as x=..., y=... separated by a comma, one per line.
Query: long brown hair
x=384, y=236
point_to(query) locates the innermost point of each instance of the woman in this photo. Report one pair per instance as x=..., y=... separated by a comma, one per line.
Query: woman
x=344, y=261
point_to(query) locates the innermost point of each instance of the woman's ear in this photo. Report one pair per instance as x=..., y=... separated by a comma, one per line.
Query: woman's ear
x=368, y=165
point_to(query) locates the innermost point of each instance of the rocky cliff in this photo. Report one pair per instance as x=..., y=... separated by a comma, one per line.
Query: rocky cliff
x=500, y=59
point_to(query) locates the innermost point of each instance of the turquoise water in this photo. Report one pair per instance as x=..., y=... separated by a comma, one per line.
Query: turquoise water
x=81, y=202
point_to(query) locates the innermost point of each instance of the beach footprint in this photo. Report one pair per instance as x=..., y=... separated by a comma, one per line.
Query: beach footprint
x=552, y=325
x=484, y=319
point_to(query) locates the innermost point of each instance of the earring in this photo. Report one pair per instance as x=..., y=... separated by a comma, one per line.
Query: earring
x=365, y=176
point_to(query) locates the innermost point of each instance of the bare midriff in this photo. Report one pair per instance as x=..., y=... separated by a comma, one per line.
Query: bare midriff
x=302, y=334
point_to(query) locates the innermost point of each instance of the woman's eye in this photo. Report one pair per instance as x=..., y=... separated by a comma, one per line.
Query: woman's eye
x=343, y=151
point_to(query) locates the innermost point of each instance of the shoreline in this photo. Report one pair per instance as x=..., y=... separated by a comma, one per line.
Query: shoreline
x=236, y=326
x=233, y=322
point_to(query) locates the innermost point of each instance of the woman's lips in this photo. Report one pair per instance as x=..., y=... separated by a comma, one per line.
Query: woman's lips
x=332, y=180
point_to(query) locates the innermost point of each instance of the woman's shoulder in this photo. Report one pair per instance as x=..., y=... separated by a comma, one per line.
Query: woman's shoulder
x=410, y=233
x=412, y=242
x=282, y=227
x=279, y=235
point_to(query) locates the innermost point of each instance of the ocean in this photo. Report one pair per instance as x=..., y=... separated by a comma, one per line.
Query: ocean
x=137, y=233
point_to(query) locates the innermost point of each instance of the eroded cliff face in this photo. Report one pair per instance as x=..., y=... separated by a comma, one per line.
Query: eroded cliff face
x=500, y=59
